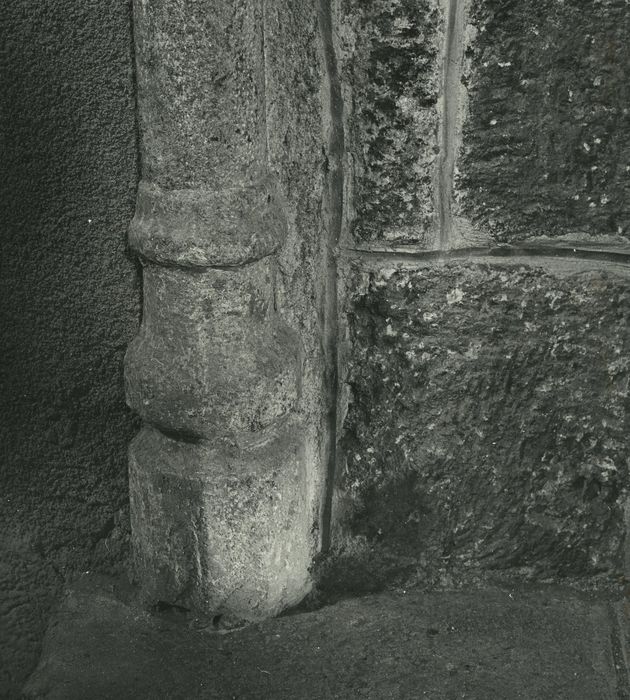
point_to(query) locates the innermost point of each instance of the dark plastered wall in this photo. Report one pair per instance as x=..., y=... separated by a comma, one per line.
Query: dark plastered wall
x=69, y=304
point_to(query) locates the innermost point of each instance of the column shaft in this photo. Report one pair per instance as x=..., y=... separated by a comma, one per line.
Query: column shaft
x=218, y=473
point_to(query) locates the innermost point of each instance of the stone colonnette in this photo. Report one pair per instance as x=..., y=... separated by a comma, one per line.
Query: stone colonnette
x=218, y=496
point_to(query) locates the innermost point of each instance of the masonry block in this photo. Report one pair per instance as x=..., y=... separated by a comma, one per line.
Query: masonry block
x=390, y=67
x=545, y=148
x=487, y=424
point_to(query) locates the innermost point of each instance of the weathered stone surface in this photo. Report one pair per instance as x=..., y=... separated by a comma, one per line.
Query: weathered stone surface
x=487, y=424
x=295, y=122
x=390, y=66
x=221, y=529
x=546, y=143
x=203, y=227
x=223, y=502
x=541, y=644
x=206, y=198
x=201, y=92
x=212, y=358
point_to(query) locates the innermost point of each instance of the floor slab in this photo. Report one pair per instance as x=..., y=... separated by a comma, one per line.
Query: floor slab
x=533, y=643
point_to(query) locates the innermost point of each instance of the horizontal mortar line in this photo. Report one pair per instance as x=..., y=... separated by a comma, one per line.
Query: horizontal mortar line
x=501, y=251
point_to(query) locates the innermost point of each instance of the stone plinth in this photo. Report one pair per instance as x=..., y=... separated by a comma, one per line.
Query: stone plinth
x=216, y=526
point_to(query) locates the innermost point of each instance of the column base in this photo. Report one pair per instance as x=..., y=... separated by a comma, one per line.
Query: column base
x=221, y=529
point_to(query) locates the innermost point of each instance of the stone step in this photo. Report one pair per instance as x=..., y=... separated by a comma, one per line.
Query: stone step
x=535, y=643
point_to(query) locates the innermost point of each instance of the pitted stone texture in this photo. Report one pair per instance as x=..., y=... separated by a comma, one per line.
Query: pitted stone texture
x=29, y=585
x=211, y=357
x=200, y=92
x=546, y=144
x=293, y=101
x=220, y=529
x=488, y=423
x=390, y=66
x=295, y=122
x=207, y=228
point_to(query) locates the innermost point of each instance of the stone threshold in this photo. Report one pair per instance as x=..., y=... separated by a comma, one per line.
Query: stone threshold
x=538, y=643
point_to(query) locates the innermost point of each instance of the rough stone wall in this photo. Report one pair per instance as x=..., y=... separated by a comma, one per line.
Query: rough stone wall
x=546, y=142
x=401, y=148
x=69, y=303
x=483, y=352
x=486, y=121
x=482, y=401
x=488, y=423
x=389, y=63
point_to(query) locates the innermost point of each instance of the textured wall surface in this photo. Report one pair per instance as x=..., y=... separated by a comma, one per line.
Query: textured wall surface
x=488, y=421
x=69, y=303
x=484, y=404
x=546, y=142
x=390, y=67
x=485, y=119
